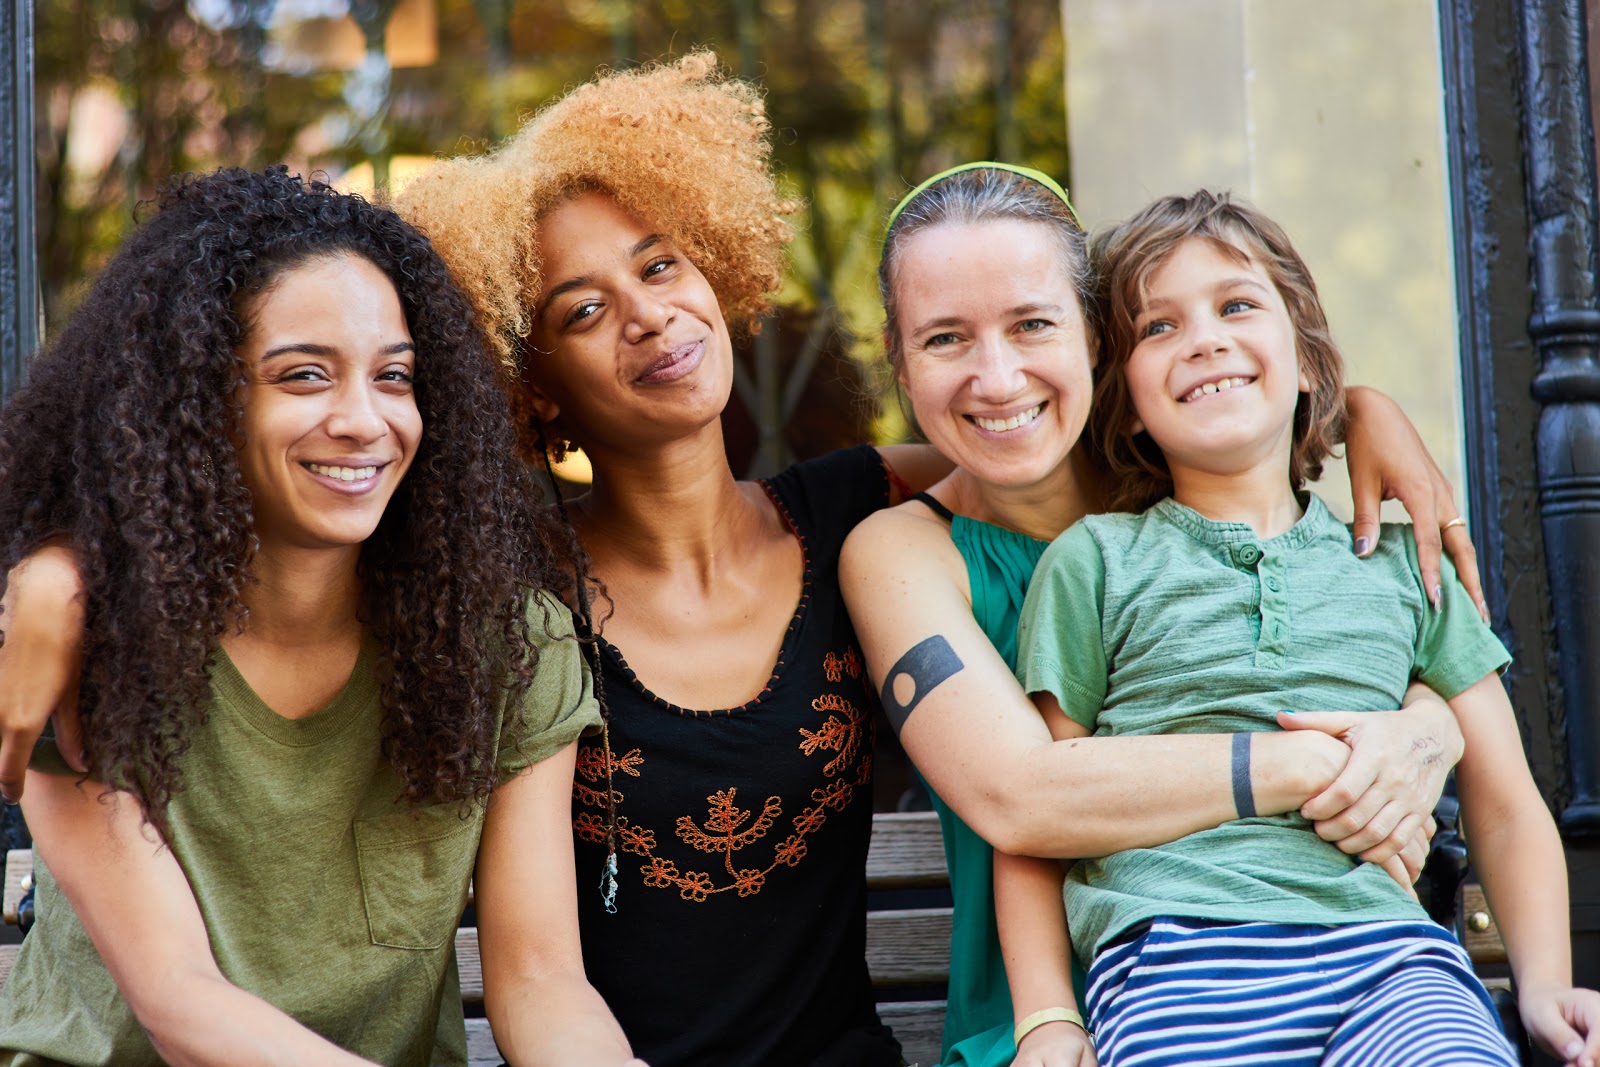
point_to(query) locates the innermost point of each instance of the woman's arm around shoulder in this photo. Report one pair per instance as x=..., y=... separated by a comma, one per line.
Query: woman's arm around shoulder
x=912, y=468
x=540, y=1004
x=137, y=907
x=42, y=616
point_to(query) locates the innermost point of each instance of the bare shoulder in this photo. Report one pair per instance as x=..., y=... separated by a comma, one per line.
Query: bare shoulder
x=899, y=545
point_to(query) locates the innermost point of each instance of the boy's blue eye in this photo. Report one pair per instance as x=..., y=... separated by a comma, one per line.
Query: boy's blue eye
x=1154, y=328
x=1237, y=305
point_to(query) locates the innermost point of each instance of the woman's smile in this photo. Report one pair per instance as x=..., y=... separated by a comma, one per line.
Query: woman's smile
x=678, y=362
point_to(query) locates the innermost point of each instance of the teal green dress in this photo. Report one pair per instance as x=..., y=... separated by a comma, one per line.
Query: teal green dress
x=978, y=1020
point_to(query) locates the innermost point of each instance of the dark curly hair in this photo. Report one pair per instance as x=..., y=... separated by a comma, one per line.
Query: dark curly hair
x=122, y=441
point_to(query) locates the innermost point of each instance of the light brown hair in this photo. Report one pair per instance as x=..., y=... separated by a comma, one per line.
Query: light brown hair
x=1125, y=257
x=972, y=197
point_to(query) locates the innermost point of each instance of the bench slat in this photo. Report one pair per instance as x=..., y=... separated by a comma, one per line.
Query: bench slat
x=908, y=946
x=919, y=1024
x=19, y=867
x=907, y=851
x=470, y=964
x=481, y=1049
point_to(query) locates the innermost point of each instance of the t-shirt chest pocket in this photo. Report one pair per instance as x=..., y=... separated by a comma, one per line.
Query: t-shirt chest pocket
x=415, y=866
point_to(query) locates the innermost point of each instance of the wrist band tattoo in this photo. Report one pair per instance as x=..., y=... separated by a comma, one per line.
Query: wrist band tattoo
x=914, y=676
x=1244, y=799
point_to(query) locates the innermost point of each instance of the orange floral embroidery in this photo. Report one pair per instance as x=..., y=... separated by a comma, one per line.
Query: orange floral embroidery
x=852, y=662
x=721, y=833
x=592, y=762
x=589, y=827
x=845, y=733
x=634, y=840
x=791, y=850
x=594, y=798
x=836, y=735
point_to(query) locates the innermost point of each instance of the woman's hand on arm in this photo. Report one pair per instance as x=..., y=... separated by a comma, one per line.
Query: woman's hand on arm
x=1381, y=807
x=42, y=618
x=1388, y=461
x=978, y=740
x=540, y=1004
x=137, y=907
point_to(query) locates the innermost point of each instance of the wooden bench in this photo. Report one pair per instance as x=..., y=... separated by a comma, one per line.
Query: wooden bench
x=908, y=949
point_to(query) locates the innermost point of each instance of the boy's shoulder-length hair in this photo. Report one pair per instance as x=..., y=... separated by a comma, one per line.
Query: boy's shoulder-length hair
x=1124, y=258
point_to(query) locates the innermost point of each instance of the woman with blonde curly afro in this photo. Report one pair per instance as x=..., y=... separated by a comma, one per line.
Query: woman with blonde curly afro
x=607, y=247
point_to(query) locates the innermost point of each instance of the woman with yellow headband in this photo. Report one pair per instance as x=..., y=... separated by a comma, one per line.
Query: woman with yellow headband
x=985, y=283
x=607, y=247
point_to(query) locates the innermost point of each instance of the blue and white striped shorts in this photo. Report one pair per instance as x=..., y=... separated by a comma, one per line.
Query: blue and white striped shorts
x=1381, y=994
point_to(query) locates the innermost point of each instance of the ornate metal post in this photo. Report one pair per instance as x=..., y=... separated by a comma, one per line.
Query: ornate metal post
x=19, y=292
x=1558, y=143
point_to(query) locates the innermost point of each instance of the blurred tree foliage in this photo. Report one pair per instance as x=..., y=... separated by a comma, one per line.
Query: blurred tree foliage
x=867, y=97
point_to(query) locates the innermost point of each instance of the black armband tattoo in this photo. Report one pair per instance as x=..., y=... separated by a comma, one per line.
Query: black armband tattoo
x=1244, y=798
x=916, y=674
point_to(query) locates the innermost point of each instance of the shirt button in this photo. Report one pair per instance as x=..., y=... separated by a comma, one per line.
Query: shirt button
x=1249, y=555
x=1273, y=584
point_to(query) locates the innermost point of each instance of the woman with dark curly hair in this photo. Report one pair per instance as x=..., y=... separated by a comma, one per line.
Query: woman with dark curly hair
x=324, y=670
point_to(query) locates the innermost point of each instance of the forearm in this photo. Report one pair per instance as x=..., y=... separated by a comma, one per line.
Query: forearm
x=1519, y=859
x=1100, y=795
x=1032, y=922
x=556, y=1020
x=200, y=1020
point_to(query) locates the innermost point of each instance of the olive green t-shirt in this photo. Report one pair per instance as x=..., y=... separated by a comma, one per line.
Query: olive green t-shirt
x=1167, y=622
x=322, y=893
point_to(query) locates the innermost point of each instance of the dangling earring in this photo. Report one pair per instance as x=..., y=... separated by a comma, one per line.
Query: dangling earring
x=589, y=641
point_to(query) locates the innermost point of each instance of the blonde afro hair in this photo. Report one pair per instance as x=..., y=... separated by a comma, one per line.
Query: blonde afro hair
x=676, y=144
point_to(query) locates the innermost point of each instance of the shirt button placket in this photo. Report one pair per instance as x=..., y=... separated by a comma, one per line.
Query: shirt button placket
x=1274, y=607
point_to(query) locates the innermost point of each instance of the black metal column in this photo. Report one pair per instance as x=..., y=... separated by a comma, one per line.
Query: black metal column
x=19, y=294
x=1558, y=142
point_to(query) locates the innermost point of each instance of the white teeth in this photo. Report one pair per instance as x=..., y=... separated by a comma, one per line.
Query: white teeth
x=1215, y=387
x=1001, y=425
x=343, y=474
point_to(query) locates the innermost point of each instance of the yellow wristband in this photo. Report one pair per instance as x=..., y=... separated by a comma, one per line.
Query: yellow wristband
x=1047, y=1015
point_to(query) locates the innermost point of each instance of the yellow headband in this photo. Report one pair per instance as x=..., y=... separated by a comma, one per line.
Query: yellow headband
x=1027, y=172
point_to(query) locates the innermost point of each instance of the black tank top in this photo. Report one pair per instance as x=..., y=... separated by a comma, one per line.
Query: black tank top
x=740, y=929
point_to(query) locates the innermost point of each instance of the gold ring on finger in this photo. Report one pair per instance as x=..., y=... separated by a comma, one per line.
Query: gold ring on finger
x=1457, y=521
